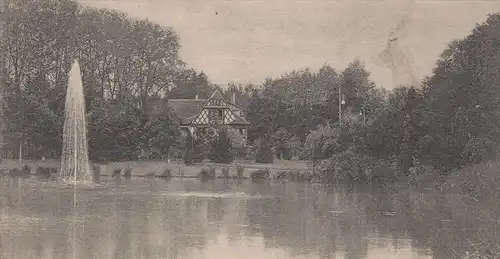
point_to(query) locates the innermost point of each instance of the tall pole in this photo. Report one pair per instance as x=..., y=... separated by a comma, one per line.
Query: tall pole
x=340, y=107
x=364, y=112
x=3, y=7
x=21, y=152
x=364, y=118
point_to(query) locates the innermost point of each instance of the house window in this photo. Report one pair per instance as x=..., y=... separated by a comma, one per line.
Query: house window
x=221, y=114
x=241, y=131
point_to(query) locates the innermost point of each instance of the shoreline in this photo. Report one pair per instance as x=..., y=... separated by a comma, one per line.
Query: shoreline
x=173, y=168
x=458, y=182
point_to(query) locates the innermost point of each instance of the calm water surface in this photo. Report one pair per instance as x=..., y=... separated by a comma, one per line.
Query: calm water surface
x=151, y=219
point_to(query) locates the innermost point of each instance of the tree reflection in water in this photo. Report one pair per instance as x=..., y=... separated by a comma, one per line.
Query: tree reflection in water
x=158, y=219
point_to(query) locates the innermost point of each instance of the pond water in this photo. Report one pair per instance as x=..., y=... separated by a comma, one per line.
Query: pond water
x=181, y=218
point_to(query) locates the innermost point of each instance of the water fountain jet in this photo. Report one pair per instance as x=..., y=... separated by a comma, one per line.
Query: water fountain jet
x=75, y=165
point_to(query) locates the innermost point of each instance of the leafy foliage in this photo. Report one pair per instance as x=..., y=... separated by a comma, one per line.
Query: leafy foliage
x=126, y=65
x=221, y=148
x=461, y=110
x=130, y=66
x=264, y=152
x=201, y=146
x=450, y=122
x=188, y=150
x=279, y=142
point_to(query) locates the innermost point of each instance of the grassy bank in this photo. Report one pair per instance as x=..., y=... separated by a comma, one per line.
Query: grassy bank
x=480, y=181
x=176, y=168
x=179, y=169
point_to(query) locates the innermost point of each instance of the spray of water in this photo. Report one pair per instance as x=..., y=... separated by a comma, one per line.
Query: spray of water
x=75, y=165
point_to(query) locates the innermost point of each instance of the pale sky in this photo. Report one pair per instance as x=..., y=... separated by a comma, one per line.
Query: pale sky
x=244, y=41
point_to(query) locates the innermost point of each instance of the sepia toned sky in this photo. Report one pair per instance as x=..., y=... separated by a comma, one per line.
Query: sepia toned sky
x=244, y=41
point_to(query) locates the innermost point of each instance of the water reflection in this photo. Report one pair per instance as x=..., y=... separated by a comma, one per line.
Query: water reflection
x=153, y=219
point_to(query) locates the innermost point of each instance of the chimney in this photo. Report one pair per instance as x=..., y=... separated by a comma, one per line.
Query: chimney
x=196, y=97
x=233, y=97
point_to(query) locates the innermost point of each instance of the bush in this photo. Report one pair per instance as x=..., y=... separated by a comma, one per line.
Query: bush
x=250, y=154
x=383, y=171
x=199, y=151
x=211, y=171
x=225, y=171
x=240, y=152
x=188, y=157
x=14, y=171
x=96, y=172
x=264, y=154
x=188, y=151
x=167, y=173
x=239, y=171
x=42, y=171
x=260, y=174
x=479, y=181
x=127, y=172
x=181, y=172
x=150, y=174
x=477, y=150
x=329, y=170
x=116, y=172
x=286, y=154
x=96, y=168
x=237, y=140
x=54, y=170
x=347, y=167
x=207, y=173
x=280, y=142
x=294, y=175
x=26, y=169
x=221, y=150
x=424, y=175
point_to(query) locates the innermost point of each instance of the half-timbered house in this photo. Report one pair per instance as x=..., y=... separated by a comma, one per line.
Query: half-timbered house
x=199, y=116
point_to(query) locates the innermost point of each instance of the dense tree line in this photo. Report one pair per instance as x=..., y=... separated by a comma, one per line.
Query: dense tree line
x=451, y=120
x=127, y=65
x=129, y=69
x=130, y=66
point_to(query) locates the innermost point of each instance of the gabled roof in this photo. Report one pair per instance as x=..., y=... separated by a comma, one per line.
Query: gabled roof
x=233, y=107
x=188, y=109
x=239, y=120
x=217, y=95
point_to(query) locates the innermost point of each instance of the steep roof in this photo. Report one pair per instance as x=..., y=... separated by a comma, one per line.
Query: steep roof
x=188, y=109
x=239, y=120
x=216, y=94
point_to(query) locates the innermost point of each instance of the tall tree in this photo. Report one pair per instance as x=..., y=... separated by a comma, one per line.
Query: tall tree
x=460, y=98
x=124, y=63
x=190, y=84
x=221, y=148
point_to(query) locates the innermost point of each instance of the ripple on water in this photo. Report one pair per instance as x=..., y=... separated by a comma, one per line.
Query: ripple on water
x=209, y=195
x=81, y=185
x=17, y=223
x=63, y=185
x=235, y=195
